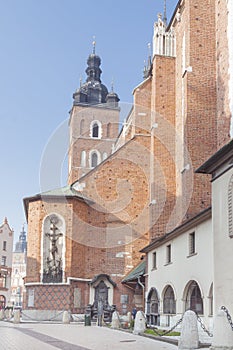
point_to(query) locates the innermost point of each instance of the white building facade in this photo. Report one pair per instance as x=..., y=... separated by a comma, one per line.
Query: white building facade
x=180, y=273
x=6, y=246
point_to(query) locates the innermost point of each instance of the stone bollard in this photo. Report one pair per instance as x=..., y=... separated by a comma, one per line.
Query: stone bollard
x=16, y=316
x=139, y=323
x=223, y=334
x=189, y=338
x=115, y=320
x=66, y=317
x=2, y=315
x=129, y=316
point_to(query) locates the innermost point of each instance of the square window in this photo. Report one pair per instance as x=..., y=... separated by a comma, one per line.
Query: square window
x=192, y=243
x=168, y=254
x=154, y=262
x=3, y=263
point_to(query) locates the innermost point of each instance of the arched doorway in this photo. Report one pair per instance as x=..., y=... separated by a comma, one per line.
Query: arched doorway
x=153, y=308
x=193, y=300
x=169, y=303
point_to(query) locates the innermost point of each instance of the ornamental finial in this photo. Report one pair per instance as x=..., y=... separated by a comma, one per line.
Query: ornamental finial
x=94, y=44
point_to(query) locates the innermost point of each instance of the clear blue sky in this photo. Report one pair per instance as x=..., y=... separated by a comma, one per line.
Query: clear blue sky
x=43, y=50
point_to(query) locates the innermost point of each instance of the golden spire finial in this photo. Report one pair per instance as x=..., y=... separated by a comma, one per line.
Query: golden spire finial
x=94, y=44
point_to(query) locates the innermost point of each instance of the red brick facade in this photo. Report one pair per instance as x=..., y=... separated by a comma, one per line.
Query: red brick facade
x=148, y=185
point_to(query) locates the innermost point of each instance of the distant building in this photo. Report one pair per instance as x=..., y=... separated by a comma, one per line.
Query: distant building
x=19, y=261
x=6, y=245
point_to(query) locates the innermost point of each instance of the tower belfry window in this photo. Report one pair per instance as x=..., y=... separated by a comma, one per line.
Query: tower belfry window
x=95, y=130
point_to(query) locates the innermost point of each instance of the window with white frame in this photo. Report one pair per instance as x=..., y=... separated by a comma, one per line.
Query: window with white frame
x=3, y=262
x=192, y=248
x=96, y=129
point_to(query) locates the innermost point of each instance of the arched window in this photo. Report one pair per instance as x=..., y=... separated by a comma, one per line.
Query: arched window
x=169, y=303
x=105, y=156
x=81, y=126
x=94, y=160
x=95, y=130
x=83, y=159
x=2, y=302
x=153, y=307
x=194, y=299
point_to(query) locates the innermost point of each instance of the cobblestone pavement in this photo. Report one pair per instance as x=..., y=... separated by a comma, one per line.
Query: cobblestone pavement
x=37, y=336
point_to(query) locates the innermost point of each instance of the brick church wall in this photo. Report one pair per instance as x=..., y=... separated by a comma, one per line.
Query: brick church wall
x=222, y=46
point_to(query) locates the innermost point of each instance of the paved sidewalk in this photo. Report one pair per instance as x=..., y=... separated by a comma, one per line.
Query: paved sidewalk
x=34, y=336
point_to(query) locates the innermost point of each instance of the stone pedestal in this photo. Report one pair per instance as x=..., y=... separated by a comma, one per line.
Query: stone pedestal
x=139, y=323
x=115, y=320
x=66, y=317
x=223, y=334
x=189, y=338
x=16, y=316
x=129, y=316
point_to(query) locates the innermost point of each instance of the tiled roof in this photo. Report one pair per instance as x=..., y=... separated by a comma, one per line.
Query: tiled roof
x=136, y=272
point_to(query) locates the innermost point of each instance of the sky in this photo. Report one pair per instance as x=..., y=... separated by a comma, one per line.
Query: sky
x=44, y=46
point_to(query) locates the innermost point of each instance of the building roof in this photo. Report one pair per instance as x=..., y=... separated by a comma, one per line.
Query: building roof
x=222, y=156
x=199, y=218
x=137, y=271
x=64, y=192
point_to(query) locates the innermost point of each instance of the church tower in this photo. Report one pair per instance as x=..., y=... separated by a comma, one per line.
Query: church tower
x=94, y=121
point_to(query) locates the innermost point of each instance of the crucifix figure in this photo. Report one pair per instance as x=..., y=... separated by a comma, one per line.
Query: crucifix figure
x=53, y=236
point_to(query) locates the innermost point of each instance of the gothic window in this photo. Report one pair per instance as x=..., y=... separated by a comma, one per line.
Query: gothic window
x=193, y=298
x=53, y=244
x=94, y=160
x=83, y=159
x=153, y=307
x=169, y=303
x=230, y=206
x=95, y=130
x=81, y=126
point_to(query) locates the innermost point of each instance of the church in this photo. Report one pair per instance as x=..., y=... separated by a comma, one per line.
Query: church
x=90, y=240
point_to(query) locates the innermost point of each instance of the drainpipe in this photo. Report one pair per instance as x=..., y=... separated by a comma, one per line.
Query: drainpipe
x=143, y=293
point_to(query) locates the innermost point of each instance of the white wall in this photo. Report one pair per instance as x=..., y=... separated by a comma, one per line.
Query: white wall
x=223, y=243
x=183, y=269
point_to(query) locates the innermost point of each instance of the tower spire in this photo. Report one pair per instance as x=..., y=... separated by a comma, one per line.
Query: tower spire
x=165, y=13
x=94, y=45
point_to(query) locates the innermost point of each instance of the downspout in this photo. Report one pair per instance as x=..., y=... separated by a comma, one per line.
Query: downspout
x=143, y=293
